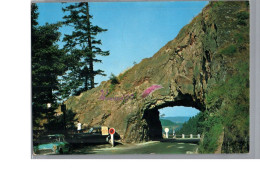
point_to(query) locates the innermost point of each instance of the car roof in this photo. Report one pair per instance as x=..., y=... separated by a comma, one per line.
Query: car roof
x=56, y=135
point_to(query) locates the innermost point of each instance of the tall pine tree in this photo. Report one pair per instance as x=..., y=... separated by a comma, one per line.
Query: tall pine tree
x=83, y=48
x=47, y=65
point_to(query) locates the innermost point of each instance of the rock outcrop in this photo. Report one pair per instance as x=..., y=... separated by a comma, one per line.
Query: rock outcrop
x=184, y=67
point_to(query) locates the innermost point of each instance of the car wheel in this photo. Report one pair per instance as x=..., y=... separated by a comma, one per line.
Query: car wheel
x=70, y=150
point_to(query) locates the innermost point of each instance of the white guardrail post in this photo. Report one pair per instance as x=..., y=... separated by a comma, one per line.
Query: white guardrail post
x=183, y=136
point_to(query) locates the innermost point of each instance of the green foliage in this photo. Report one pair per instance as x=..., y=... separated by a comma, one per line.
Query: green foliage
x=114, y=80
x=240, y=38
x=34, y=16
x=135, y=95
x=212, y=130
x=228, y=103
x=236, y=110
x=83, y=48
x=215, y=97
x=61, y=126
x=217, y=4
x=191, y=126
x=243, y=15
x=47, y=64
x=229, y=50
x=227, y=96
x=167, y=123
x=210, y=126
x=241, y=22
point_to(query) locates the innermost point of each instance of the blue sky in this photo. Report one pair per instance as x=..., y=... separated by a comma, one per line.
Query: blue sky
x=179, y=111
x=136, y=30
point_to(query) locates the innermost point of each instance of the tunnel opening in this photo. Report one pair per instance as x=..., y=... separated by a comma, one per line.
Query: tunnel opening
x=183, y=108
x=173, y=119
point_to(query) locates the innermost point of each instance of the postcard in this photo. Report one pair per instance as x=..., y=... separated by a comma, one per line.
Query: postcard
x=166, y=77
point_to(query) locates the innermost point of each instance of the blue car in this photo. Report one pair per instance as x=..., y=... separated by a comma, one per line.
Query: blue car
x=52, y=144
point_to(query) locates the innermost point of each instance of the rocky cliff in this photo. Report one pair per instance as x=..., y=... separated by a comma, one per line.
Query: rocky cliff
x=185, y=67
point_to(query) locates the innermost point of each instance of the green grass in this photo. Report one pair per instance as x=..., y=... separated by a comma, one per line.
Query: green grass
x=229, y=50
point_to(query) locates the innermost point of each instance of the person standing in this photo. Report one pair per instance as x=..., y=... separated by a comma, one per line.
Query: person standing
x=79, y=127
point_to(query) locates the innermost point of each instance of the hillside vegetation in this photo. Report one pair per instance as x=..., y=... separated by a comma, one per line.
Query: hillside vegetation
x=227, y=96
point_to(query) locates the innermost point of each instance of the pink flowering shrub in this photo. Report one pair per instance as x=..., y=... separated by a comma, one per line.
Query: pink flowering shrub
x=150, y=90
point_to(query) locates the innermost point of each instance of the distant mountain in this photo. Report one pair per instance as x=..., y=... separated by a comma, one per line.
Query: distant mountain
x=173, y=123
x=177, y=119
x=169, y=124
x=166, y=123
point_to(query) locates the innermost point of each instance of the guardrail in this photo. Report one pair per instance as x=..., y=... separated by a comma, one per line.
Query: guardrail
x=190, y=136
x=184, y=136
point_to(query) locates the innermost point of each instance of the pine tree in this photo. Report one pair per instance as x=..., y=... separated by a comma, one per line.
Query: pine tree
x=47, y=65
x=82, y=46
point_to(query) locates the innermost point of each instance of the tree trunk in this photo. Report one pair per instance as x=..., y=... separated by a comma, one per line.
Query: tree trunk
x=91, y=70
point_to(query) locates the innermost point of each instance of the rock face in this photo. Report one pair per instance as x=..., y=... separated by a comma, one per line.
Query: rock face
x=184, y=67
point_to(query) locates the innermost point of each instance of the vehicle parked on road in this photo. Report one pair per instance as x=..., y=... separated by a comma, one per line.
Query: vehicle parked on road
x=52, y=144
x=95, y=135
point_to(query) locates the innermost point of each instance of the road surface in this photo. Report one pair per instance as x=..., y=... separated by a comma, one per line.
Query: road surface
x=153, y=147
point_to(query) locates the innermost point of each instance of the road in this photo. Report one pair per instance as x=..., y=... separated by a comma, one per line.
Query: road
x=153, y=147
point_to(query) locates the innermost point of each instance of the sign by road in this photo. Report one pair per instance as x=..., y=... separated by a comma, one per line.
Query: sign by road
x=166, y=131
x=104, y=130
x=112, y=132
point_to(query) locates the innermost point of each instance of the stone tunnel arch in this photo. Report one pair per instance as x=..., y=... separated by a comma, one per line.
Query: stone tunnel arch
x=152, y=118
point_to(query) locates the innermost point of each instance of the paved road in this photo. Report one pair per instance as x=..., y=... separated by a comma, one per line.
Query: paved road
x=154, y=147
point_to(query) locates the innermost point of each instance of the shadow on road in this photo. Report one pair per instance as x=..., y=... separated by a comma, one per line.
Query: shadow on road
x=92, y=148
x=187, y=140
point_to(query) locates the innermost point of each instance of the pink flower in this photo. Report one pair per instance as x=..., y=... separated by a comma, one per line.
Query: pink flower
x=103, y=96
x=150, y=90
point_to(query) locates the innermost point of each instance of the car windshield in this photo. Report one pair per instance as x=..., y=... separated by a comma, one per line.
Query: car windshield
x=94, y=131
x=90, y=130
x=50, y=139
